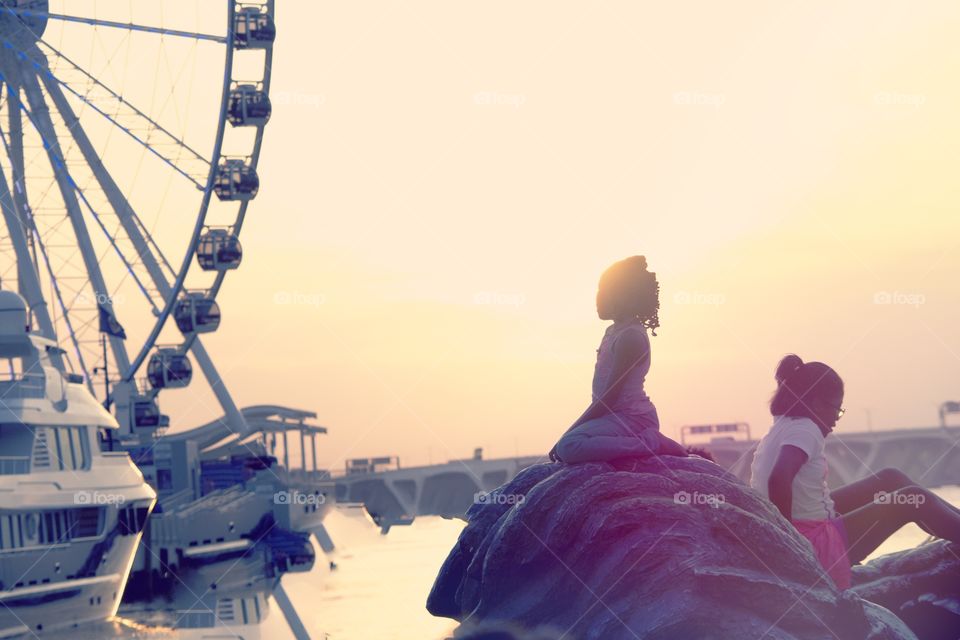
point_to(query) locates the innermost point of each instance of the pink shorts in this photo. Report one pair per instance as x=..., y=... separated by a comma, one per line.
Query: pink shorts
x=829, y=540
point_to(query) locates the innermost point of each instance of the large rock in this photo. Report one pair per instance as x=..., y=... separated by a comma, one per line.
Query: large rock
x=921, y=586
x=645, y=549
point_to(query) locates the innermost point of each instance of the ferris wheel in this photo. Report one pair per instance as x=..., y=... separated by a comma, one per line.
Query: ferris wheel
x=131, y=135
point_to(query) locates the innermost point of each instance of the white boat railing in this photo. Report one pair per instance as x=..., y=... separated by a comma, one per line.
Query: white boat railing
x=20, y=386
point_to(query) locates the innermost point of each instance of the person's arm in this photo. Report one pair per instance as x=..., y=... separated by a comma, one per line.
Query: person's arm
x=780, y=483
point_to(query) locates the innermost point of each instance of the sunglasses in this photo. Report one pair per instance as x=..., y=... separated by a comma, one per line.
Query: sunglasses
x=840, y=411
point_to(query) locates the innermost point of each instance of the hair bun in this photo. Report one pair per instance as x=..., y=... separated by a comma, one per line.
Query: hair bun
x=787, y=366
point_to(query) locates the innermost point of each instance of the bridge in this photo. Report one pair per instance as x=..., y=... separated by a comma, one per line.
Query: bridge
x=931, y=456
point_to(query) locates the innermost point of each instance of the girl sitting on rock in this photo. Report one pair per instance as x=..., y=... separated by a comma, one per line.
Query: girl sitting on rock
x=621, y=421
x=790, y=469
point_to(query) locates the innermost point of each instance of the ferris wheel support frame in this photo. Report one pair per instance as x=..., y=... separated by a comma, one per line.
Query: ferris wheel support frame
x=40, y=118
x=14, y=212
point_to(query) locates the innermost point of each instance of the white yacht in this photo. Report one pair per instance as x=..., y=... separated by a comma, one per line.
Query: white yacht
x=71, y=515
x=232, y=519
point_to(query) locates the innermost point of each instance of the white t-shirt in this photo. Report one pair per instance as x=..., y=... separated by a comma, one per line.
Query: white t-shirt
x=811, y=497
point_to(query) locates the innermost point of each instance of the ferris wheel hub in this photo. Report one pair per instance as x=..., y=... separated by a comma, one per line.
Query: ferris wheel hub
x=22, y=27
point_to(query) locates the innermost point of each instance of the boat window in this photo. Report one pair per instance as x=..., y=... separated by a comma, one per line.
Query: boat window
x=58, y=450
x=164, y=479
x=71, y=447
x=16, y=447
x=86, y=522
x=11, y=369
x=76, y=451
x=30, y=529
x=84, y=440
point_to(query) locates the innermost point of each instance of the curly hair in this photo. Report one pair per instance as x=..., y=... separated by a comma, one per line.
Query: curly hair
x=635, y=290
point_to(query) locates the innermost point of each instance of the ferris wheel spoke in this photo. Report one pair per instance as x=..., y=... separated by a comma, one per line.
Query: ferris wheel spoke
x=97, y=22
x=166, y=146
x=64, y=309
x=72, y=124
x=21, y=229
x=142, y=241
x=39, y=117
x=17, y=217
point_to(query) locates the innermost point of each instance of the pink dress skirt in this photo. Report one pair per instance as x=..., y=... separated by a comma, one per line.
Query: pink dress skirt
x=829, y=540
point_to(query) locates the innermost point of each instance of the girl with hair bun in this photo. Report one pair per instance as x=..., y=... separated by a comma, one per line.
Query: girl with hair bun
x=621, y=421
x=790, y=469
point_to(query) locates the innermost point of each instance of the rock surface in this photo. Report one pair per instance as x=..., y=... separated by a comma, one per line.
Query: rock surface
x=645, y=549
x=921, y=586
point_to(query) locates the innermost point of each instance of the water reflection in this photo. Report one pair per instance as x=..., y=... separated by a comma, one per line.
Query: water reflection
x=373, y=586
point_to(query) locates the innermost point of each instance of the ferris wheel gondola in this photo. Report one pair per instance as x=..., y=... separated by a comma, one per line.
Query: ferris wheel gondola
x=67, y=216
x=219, y=250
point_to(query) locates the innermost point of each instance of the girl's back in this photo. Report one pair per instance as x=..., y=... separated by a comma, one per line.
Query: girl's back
x=632, y=399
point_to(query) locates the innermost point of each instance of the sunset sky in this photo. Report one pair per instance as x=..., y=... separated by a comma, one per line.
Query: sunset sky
x=442, y=184
x=449, y=186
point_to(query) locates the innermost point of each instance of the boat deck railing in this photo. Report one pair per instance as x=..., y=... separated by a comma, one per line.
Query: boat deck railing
x=17, y=386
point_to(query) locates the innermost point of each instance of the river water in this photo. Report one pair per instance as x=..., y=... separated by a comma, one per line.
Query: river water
x=377, y=589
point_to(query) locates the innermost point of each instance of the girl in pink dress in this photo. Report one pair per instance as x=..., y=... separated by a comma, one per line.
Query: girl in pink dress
x=789, y=468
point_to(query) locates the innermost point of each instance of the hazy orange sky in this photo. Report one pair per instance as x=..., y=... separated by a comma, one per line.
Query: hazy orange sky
x=442, y=184
x=780, y=165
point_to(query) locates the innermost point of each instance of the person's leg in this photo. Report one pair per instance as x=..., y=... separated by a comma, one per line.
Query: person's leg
x=648, y=424
x=606, y=438
x=670, y=447
x=857, y=494
x=870, y=525
x=867, y=490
